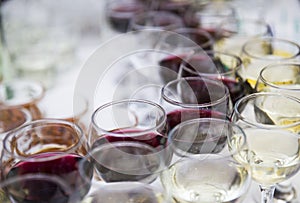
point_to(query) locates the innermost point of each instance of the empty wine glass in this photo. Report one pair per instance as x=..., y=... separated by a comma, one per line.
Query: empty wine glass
x=53, y=147
x=271, y=124
x=195, y=97
x=260, y=52
x=22, y=94
x=217, y=65
x=233, y=33
x=130, y=120
x=127, y=192
x=205, y=155
x=35, y=188
x=282, y=78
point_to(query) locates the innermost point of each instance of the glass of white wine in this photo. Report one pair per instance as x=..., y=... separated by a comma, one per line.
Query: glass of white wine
x=232, y=33
x=282, y=78
x=260, y=52
x=204, y=168
x=271, y=123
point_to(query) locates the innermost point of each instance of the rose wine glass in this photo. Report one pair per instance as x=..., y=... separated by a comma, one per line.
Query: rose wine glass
x=271, y=124
x=51, y=147
x=204, y=156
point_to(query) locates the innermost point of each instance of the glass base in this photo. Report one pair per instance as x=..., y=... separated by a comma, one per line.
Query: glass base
x=285, y=195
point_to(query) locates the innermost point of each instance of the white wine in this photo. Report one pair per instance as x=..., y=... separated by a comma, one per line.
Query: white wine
x=193, y=181
x=272, y=156
x=277, y=111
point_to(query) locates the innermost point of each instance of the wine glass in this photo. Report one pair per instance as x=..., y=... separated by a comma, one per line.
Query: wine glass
x=127, y=192
x=217, y=65
x=141, y=122
x=174, y=47
x=234, y=32
x=195, y=97
x=35, y=188
x=53, y=147
x=22, y=94
x=282, y=78
x=260, y=52
x=209, y=15
x=205, y=169
x=271, y=124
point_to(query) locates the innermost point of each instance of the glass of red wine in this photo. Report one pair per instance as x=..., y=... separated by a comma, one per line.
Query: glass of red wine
x=217, y=65
x=120, y=12
x=203, y=155
x=177, y=46
x=53, y=147
x=140, y=122
x=209, y=15
x=35, y=188
x=195, y=97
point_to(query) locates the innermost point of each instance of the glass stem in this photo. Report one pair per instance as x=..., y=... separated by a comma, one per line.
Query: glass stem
x=267, y=193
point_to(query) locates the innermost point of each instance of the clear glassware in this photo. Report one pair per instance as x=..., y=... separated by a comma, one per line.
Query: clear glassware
x=176, y=46
x=233, y=33
x=217, y=65
x=195, y=97
x=140, y=122
x=204, y=156
x=281, y=78
x=260, y=52
x=35, y=188
x=40, y=38
x=209, y=15
x=127, y=192
x=271, y=125
x=22, y=94
x=52, y=147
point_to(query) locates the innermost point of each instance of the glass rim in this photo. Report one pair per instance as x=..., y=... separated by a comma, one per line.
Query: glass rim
x=45, y=122
x=40, y=93
x=132, y=134
x=212, y=81
x=214, y=120
x=250, y=42
x=238, y=66
x=271, y=84
x=263, y=126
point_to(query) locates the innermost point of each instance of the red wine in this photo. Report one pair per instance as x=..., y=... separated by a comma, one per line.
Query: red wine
x=203, y=64
x=65, y=166
x=180, y=115
x=120, y=15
